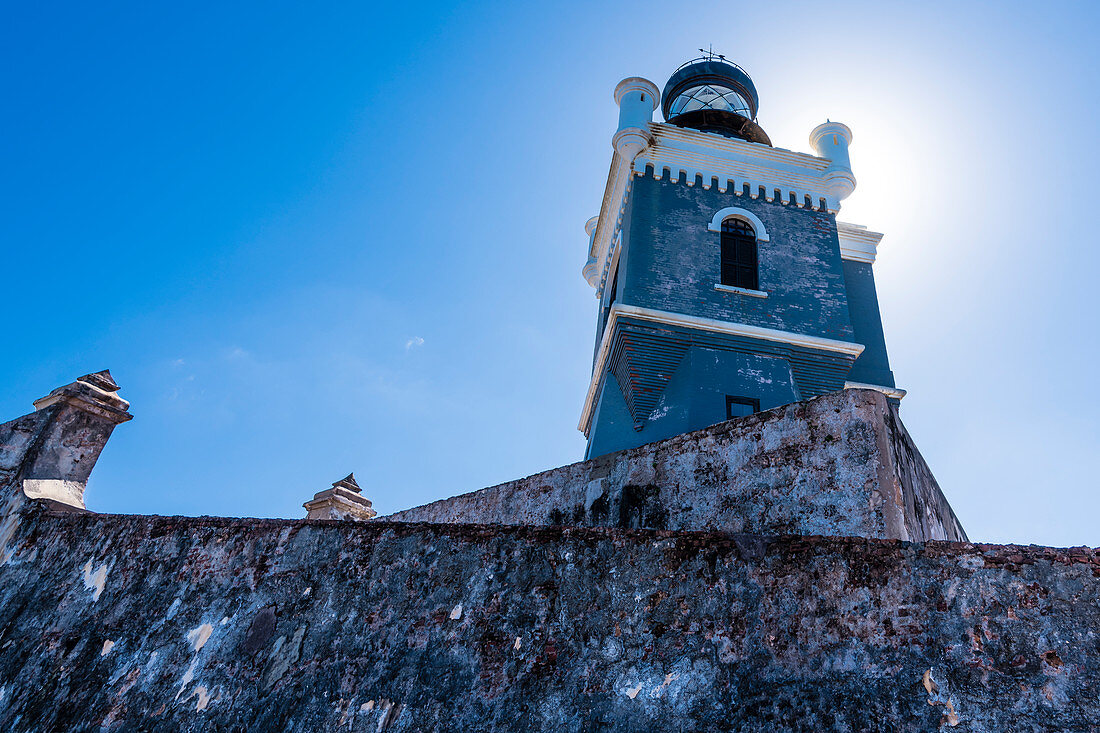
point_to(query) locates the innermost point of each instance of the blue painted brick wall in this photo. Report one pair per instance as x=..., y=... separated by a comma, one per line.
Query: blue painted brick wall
x=671, y=261
x=873, y=365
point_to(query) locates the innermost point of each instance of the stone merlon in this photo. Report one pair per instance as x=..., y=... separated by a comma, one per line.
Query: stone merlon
x=343, y=501
x=50, y=453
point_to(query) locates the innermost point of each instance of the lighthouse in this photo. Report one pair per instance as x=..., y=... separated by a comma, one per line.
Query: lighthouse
x=726, y=284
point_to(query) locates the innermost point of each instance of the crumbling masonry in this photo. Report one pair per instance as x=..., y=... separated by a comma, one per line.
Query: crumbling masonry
x=798, y=569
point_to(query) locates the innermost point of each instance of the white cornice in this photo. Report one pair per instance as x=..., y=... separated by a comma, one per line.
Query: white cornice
x=607, y=224
x=666, y=133
x=857, y=242
x=739, y=329
x=711, y=156
x=888, y=391
x=716, y=156
x=703, y=324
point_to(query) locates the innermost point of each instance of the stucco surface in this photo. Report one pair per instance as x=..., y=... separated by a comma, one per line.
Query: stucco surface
x=841, y=464
x=151, y=623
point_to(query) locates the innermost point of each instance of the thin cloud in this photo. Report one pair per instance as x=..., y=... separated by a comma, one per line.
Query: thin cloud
x=414, y=341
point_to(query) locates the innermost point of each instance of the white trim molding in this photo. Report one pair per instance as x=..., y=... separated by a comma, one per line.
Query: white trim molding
x=610, y=219
x=894, y=392
x=709, y=155
x=591, y=270
x=857, y=242
x=737, y=329
x=740, y=291
x=734, y=212
x=703, y=324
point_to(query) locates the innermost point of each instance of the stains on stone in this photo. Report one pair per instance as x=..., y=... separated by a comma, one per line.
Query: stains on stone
x=284, y=655
x=594, y=512
x=757, y=634
x=260, y=631
x=391, y=711
x=751, y=547
x=546, y=661
x=600, y=511
x=573, y=516
x=771, y=473
x=493, y=656
x=199, y=635
x=95, y=581
x=260, y=568
x=640, y=507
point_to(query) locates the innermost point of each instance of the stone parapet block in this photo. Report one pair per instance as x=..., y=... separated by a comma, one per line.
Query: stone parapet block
x=840, y=464
x=49, y=454
x=342, y=501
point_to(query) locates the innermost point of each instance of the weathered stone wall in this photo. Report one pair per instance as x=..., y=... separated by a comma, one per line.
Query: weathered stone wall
x=149, y=623
x=50, y=453
x=17, y=439
x=841, y=464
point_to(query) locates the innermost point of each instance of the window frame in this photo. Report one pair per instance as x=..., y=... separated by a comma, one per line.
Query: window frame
x=739, y=254
x=731, y=400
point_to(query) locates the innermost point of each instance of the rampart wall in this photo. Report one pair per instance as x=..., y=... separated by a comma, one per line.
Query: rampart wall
x=150, y=623
x=123, y=623
x=841, y=464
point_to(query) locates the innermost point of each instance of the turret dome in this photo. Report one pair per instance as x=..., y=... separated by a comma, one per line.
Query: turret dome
x=712, y=94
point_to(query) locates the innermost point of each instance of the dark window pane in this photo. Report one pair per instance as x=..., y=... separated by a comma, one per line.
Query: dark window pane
x=738, y=253
x=741, y=406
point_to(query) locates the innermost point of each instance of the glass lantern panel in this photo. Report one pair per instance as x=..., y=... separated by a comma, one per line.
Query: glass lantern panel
x=710, y=96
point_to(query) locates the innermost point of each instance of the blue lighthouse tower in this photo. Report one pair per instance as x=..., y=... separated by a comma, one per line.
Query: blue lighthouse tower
x=726, y=285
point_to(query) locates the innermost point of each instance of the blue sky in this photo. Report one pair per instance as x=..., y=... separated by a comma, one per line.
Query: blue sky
x=309, y=239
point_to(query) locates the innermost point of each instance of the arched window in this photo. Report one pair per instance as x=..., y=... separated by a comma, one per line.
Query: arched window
x=739, y=254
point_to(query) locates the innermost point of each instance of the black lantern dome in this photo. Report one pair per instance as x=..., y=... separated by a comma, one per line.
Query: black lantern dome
x=711, y=94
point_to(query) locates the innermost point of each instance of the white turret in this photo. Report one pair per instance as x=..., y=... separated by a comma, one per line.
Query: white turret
x=831, y=141
x=637, y=98
x=591, y=271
